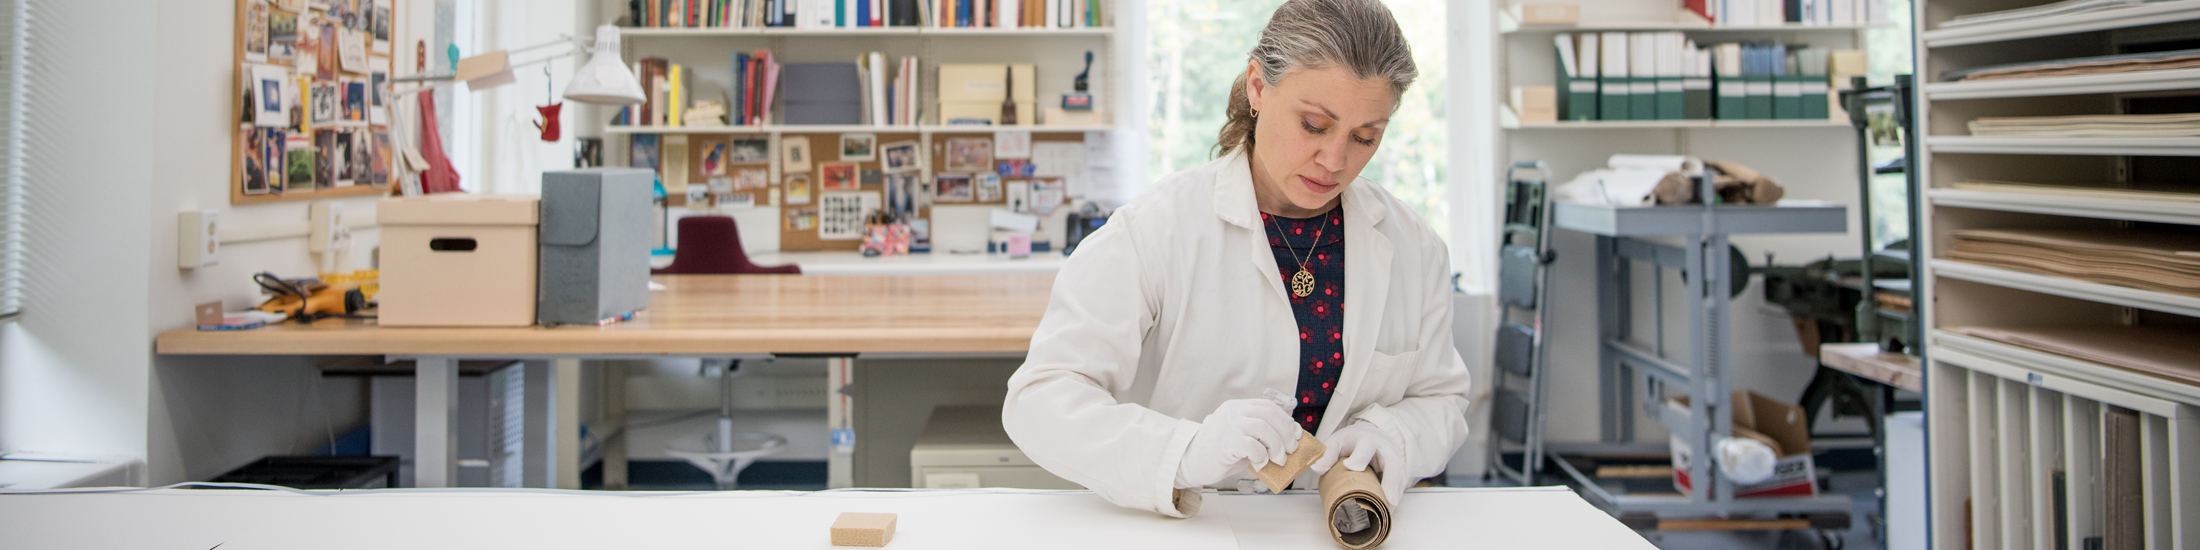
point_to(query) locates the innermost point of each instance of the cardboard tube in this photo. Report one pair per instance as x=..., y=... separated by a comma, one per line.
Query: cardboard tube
x=1343, y=487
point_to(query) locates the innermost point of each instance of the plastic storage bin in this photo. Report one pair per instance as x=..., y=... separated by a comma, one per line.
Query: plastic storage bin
x=453, y=260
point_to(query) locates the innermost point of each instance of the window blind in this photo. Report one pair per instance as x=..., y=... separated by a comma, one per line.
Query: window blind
x=15, y=76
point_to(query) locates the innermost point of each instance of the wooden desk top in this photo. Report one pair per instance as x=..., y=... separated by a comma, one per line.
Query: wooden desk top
x=1893, y=369
x=706, y=314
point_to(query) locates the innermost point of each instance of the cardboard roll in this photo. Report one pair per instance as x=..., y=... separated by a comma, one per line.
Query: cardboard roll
x=1344, y=489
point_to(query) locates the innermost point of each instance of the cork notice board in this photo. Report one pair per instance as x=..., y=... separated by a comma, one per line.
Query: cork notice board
x=310, y=99
x=868, y=176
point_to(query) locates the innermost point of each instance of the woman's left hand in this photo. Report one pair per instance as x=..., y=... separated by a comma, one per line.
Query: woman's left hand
x=1361, y=446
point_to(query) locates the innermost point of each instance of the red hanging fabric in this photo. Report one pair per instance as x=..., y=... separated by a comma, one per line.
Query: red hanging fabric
x=439, y=177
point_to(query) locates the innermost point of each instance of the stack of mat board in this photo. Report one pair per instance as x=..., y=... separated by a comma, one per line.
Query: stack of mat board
x=2172, y=125
x=2149, y=260
x=2067, y=7
x=2165, y=351
x=2106, y=64
x=2081, y=192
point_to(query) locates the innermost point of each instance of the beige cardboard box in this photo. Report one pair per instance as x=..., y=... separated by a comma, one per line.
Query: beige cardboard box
x=1536, y=103
x=1548, y=14
x=458, y=260
x=976, y=90
x=1777, y=423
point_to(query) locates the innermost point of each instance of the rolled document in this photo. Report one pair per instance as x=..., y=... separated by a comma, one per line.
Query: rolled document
x=1359, y=518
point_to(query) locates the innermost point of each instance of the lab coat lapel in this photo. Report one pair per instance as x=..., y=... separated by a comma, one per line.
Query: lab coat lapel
x=1235, y=205
x=1367, y=254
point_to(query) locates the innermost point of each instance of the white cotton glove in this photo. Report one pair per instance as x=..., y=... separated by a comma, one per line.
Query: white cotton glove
x=1363, y=445
x=1239, y=432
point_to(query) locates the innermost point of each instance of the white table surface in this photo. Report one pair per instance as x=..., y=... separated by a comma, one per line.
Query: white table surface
x=1544, y=517
x=931, y=263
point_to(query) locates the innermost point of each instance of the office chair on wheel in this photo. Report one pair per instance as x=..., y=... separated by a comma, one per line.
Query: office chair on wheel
x=712, y=245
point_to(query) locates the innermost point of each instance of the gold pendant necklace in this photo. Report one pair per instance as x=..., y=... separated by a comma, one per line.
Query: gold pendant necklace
x=1302, y=283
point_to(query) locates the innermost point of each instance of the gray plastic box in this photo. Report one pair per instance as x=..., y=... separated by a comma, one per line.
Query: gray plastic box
x=594, y=239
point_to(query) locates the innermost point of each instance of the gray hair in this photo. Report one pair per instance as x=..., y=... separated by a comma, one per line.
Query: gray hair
x=1359, y=35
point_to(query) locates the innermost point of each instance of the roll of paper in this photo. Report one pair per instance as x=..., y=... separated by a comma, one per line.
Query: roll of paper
x=1343, y=490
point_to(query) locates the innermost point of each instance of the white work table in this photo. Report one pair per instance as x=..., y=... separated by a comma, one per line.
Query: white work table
x=930, y=263
x=1539, y=517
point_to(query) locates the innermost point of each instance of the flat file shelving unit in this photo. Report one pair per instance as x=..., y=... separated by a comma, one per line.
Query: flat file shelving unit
x=2027, y=448
x=1632, y=375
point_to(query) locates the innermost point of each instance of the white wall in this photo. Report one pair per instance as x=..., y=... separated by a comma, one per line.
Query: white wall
x=136, y=138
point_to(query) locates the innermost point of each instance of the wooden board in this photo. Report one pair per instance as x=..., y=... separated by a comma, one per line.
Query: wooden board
x=241, y=137
x=707, y=314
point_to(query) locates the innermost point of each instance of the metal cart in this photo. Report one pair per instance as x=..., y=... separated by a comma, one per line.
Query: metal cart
x=1632, y=375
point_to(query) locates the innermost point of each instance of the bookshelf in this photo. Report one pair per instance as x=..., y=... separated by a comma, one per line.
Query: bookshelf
x=1056, y=53
x=2033, y=446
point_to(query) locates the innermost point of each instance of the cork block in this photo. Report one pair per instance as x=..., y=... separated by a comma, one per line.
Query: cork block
x=863, y=529
x=1278, y=476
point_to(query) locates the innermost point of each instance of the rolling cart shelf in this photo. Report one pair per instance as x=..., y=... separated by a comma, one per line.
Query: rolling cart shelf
x=1633, y=376
x=1638, y=221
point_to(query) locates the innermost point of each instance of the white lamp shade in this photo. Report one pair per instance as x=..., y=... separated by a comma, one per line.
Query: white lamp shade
x=604, y=79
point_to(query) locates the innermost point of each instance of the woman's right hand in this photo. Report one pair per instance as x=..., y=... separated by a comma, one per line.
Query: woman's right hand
x=1239, y=431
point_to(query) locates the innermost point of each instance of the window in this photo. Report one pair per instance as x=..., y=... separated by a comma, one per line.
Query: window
x=14, y=77
x=1197, y=48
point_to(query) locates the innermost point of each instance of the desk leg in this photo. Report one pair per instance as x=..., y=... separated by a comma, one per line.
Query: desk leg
x=435, y=406
x=614, y=407
x=538, y=443
x=565, y=425
x=840, y=418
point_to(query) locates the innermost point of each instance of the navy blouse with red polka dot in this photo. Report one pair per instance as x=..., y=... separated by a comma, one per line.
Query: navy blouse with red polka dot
x=1321, y=313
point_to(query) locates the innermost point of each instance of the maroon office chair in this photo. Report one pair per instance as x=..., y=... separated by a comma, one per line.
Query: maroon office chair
x=712, y=245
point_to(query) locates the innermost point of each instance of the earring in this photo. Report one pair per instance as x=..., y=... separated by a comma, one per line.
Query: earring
x=1256, y=114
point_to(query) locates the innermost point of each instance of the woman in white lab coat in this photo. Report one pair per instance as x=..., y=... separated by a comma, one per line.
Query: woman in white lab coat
x=1275, y=272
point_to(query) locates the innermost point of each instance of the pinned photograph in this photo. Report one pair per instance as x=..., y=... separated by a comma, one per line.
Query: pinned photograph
x=341, y=161
x=326, y=58
x=307, y=60
x=903, y=156
x=798, y=189
x=317, y=4
x=748, y=151
x=751, y=178
x=248, y=97
x=794, y=153
x=714, y=158
x=355, y=101
x=1046, y=195
x=802, y=218
x=267, y=91
x=1019, y=196
x=378, y=112
x=901, y=193
x=989, y=187
x=294, y=6
x=272, y=156
x=1012, y=144
x=952, y=188
x=299, y=160
x=255, y=33
x=352, y=49
x=969, y=155
x=254, y=177
x=381, y=160
x=858, y=147
x=382, y=29
x=362, y=157
x=324, y=161
x=838, y=176
x=323, y=104
x=282, y=36
x=644, y=152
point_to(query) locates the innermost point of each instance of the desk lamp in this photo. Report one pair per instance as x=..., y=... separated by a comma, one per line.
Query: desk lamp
x=602, y=80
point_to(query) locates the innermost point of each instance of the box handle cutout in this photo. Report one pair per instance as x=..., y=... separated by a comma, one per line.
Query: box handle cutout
x=452, y=244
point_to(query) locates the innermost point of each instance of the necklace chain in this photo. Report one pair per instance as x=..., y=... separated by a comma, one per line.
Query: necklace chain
x=1302, y=283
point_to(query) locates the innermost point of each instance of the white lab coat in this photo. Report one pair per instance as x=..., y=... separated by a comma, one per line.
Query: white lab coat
x=1176, y=306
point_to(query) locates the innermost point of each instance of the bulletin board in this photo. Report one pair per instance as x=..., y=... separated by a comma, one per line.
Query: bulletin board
x=947, y=147
x=869, y=176
x=310, y=102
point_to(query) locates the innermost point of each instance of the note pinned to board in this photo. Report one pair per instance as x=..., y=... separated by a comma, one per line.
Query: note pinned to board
x=1057, y=158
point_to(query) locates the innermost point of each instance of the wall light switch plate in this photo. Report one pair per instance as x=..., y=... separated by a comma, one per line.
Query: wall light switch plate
x=198, y=238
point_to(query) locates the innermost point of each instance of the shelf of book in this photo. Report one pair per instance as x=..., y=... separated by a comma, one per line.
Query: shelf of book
x=845, y=32
x=851, y=128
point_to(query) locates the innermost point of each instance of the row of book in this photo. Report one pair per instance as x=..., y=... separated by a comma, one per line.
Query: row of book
x=1666, y=76
x=669, y=90
x=829, y=14
x=1814, y=13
